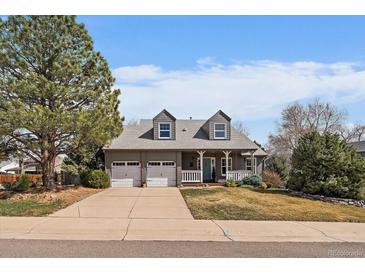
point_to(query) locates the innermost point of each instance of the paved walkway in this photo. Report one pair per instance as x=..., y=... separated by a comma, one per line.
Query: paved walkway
x=161, y=214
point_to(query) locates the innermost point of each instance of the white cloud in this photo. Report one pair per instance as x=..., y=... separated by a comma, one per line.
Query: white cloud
x=248, y=91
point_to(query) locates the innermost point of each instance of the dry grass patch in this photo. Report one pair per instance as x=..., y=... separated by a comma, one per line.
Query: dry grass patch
x=222, y=203
x=41, y=201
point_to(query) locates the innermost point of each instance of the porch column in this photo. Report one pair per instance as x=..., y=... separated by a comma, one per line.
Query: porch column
x=253, y=164
x=226, y=153
x=201, y=154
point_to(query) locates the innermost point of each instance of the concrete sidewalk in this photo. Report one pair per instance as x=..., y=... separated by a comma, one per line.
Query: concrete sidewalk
x=152, y=214
x=177, y=230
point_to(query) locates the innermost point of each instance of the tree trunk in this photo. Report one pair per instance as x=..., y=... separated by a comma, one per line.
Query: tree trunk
x=47, y=164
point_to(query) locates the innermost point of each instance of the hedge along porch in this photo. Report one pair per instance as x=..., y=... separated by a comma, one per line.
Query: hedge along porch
x=165, y=151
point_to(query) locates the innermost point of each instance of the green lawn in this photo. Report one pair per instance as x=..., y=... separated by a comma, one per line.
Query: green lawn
x=28, y=208
x=221, y=203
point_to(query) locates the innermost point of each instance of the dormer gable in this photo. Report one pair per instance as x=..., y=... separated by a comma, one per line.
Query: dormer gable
x=164, y=126
x=218, y=127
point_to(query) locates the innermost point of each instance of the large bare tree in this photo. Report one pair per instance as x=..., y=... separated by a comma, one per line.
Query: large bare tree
x=298, y=119
x=353, y=133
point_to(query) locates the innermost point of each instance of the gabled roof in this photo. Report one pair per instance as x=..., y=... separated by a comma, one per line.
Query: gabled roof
x=189, y=136
x=222, y=114
x=360, y=146
x=166, y=113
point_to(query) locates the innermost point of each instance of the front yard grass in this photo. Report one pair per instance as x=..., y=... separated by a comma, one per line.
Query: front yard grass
x=28, y=208
x=40, y=201
x=221, y=203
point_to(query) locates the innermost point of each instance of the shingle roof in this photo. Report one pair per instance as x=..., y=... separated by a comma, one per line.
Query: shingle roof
x=360, y=146
x=189, y=135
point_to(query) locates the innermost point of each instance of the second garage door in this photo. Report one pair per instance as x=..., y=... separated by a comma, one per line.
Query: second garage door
x=161, y=173
x=126, y=174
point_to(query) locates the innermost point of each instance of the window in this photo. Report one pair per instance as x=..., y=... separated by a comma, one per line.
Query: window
x=132, y=163
x=126, y=163
x=154, y=164
x=168, y=163
x=118, y=164
x=219, y=131
x=223, y=165
x=164, y=130
x=161, y=163
x=249, y=163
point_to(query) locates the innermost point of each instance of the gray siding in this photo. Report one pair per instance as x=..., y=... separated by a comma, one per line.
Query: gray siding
x=143, y=157
x=218, y=118
x=184, y=161
x=163, y=117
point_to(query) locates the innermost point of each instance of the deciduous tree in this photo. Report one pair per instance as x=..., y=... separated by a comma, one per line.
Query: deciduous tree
x=298, y=120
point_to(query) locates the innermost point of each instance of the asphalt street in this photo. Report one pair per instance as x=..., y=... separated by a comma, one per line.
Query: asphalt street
x=176, y=249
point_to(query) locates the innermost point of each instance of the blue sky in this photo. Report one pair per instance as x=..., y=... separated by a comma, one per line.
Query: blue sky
x=249, y=66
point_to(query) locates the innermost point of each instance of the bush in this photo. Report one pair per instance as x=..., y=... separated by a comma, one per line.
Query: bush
x=253, y=180
x=95, y=179
x=22, y=184
x=263, y=185
x=279, y=166
x=273, y=178
x=230, y=183
x=269, y=185
x=326, y=165
x=8, y=186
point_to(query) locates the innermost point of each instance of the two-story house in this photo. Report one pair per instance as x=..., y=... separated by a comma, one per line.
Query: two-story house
x=165, y=151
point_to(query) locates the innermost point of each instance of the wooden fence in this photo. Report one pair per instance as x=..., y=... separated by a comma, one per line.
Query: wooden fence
x=13, y=178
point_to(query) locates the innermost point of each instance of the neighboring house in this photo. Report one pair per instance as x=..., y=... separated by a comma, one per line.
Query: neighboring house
x=165, y=151
x=360, y=147
x=27, y=166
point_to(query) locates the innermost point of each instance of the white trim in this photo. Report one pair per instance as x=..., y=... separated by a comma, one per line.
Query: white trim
x=225, y=131
x=249, y=158
x=170, y=131
x=161, y=163
x=229, y=160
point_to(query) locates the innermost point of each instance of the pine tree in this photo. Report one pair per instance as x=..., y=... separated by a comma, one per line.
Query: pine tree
x=325, y=164
x=56, y=92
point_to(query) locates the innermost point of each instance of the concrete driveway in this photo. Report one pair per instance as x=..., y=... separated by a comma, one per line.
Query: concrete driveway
x=130, y=203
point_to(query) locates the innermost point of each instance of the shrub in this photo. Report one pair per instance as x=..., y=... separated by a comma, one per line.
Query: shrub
x=326, y=165
x=279, y=166
x=253, y=180
x=230, y=183
x=273, y=178
x=269, y=185
x=22, y=184
x=95, y=179
x=263, y=185
x=8, y=186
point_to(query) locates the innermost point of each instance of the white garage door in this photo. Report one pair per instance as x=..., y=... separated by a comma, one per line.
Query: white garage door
x=161, y=173
x=126, y=174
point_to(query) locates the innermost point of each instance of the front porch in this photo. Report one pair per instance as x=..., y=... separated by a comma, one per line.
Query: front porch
x=211, y=166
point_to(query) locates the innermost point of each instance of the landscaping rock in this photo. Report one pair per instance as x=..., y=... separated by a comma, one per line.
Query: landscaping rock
x=358, y=203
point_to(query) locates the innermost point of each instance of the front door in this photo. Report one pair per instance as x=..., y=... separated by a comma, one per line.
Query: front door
x=207, y=169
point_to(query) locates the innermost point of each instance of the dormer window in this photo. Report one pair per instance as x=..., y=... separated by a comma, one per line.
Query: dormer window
x=164, y=130
x=219, y=131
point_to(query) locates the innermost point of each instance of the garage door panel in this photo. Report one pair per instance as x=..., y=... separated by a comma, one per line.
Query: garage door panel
x=126, y=174
x=161, y=173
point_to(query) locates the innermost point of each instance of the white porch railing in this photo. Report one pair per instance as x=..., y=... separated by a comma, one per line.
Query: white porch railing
x=190, y=176
x=238, y=175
